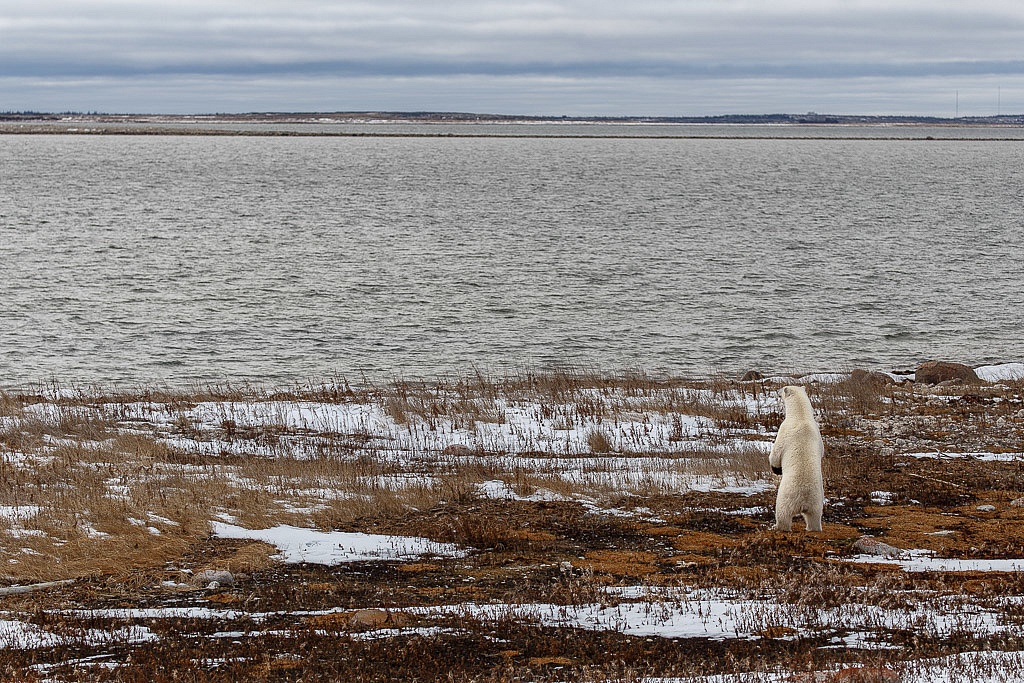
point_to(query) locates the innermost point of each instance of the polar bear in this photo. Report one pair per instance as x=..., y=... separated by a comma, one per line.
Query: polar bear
x=796, y=455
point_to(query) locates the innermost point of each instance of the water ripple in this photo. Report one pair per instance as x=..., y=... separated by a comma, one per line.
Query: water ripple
x=162, y=259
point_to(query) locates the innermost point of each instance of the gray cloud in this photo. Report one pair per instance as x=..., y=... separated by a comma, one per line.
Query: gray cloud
x=528, y=57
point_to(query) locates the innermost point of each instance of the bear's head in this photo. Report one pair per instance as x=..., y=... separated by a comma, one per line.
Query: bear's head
x=792, y=392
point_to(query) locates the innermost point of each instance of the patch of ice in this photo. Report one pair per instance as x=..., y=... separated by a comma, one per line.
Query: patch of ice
x=823, y=377
x=499, y=490
x=900, y=376
x=161, y=520
x=91, y=531
x=21, y=533
x=746, y=489
x=747, y=512
x=861, y=640
x=335, y=547
x=975, y=667
x=706, y=614
x=714, y=619
x=982, y=457
x=19, y=635
x=745, y=677
x=287, y=506
x=628, y=474
x=496, y=488
x=18, y=513
x=882, y=497
x=997, y=373
x=925, y=561
x=512, y=427
x=422, y=631
x=127, y=613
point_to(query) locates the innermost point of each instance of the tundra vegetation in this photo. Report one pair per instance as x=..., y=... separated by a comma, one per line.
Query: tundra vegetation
x=571, y=526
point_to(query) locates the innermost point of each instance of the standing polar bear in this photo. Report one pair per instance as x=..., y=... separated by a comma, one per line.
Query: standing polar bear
x=796, y=455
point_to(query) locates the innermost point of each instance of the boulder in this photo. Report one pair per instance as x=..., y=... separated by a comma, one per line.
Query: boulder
x=872, y=377
x=873, y=546
x=361, y=620
x=936, y=371
x=376, y=618
x=220, y=577
x=751, y=376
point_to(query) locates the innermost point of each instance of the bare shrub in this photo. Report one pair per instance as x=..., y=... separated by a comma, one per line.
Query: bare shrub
x=599, y=441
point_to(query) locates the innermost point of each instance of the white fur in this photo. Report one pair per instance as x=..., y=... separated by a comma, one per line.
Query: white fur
x=798, y=450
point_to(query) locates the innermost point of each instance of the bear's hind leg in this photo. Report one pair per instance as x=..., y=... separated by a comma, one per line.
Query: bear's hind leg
x=812, y=518
x=783, y=520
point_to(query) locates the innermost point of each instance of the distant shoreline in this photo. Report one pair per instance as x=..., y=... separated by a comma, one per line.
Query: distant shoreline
x=371, y=117
x=77, y=129
x=442, y=125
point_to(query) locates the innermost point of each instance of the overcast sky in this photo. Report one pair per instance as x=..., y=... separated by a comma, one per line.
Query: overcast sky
x=552, y=57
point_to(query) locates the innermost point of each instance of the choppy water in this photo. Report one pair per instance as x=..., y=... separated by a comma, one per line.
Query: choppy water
x=164, y=259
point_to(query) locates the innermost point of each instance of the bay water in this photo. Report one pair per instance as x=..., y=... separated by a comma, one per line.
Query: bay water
x=170, y=260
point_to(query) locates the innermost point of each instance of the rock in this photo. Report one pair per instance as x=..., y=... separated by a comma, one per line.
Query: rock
x=361, y=620
x=751, y=376
x=873, y=546
x=221, y=577
x=458, y=450
x=986, y=508
x=1018, y=503
x=377, y=618
x=934, y=372
x=871, y=377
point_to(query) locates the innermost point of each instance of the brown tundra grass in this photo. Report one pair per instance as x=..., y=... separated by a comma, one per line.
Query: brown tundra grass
x=117, y=490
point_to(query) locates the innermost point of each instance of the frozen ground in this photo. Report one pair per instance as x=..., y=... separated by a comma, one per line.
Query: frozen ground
x=426, y=518
x=335, y=547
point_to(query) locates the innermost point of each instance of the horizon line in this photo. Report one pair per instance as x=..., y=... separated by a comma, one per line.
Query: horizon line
x=805, y=117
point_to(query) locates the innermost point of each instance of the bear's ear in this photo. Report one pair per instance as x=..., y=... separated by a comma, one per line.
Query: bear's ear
x=786, y=392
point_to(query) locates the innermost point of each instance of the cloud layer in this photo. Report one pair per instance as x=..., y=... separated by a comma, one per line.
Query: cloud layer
x=542, y=57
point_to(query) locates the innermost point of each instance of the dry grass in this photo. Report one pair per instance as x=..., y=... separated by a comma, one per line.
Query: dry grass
x=10, y=406
x=605, y=481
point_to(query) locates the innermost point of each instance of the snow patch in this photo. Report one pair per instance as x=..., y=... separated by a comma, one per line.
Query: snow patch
x=998, y=373
x=925, y=561
x=298, y=544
